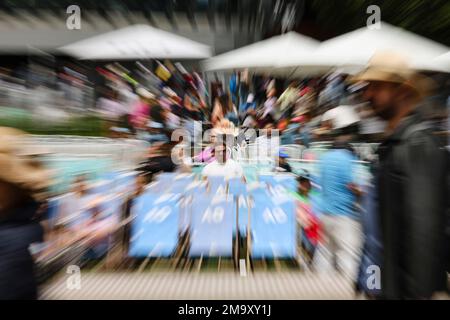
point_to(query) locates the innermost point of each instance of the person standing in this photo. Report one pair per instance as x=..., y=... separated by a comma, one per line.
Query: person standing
x=410, y=181
x=23, y=182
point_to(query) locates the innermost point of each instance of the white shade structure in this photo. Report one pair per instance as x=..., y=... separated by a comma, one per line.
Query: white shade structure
x=354, y=49
x=443, y=61
x=137, y=42
x=264, y=56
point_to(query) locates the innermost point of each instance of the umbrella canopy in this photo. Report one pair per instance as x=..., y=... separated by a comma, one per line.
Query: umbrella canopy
x=137, y=42
x=264, y=56
x=357, y=47
x=443, y=61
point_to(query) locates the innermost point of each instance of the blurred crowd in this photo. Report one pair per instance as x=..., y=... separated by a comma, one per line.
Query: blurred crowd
x=399, y=221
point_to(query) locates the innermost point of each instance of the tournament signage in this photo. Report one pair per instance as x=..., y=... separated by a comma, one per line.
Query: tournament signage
x=154, y=231
x=273, y=227
x=212, y=226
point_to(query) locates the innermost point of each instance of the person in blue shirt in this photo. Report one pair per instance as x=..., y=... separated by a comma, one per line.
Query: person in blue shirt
x=342, y=236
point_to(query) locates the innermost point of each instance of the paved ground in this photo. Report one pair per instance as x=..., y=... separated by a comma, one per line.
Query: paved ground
x=203, y=285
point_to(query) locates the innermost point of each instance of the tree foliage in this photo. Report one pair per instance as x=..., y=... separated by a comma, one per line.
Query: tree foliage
x=430, y=19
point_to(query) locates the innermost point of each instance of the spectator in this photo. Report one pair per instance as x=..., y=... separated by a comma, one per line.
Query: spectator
x=110, y=107
x=224, y=109
x=223, y=165
x=283, y=165
x=160, y=158
x=342, y=237
x=270, y=104
x=306, y=216
x=410, y=182
x=22, y=182
x=141, y=109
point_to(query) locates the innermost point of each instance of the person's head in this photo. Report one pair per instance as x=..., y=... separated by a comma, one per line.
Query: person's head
x=387, y=99
x=269, y=126
x=268, y=129
x=145, y=96
x=187, y=102
x=252, y=112
x=158, y=114
x=222, y=147
x=294, y=84
x=212, y=137
x=271, y=93
x=304, y=184
x=391, y=85
x=220, y=152
x=80, y=185
x=225, y=102
x=282, y=158
x=23, y=175
x=110, y=94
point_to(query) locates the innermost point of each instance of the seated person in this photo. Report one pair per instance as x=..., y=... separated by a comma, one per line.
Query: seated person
x=283, y=165
x=223, y=165
x=306, y=217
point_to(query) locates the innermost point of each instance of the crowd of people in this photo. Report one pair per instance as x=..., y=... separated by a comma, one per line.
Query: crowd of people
x=397, y=222
x=387, y=104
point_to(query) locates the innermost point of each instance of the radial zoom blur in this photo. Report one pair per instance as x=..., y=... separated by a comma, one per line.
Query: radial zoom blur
x=224, y=150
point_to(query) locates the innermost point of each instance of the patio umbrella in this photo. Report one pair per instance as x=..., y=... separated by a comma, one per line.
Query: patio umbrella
x=137, y=42
x=265, y=55
x=354, y=49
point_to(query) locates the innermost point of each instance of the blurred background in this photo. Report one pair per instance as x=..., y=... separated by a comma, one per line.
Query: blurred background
x=94, y=97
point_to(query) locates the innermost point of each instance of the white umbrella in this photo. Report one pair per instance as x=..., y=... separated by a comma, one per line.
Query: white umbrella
x=263, y=56
x=137, y=42
x=443, y=61
x=354, y=49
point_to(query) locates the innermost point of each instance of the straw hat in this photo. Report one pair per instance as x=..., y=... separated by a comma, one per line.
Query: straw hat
x=17, y=164
x=388, y=66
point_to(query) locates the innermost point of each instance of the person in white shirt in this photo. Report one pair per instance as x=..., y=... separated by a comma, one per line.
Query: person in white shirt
x=223, y=165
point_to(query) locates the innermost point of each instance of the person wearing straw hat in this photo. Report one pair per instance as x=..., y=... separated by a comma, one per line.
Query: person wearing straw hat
x=23, y=185
x=409, y=181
